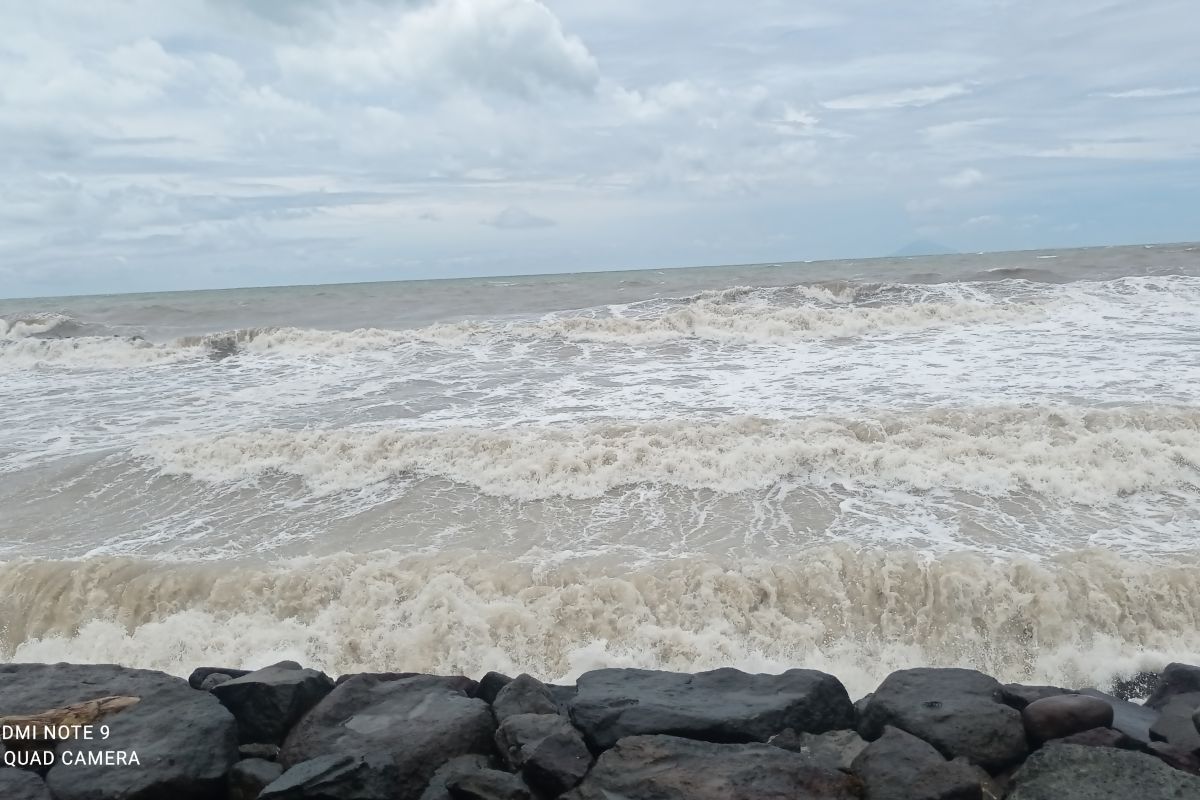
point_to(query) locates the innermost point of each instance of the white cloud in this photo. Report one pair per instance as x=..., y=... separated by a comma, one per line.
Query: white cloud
x=963, y=179
x=516, y=218
x=1151, y=92
x=914, y=97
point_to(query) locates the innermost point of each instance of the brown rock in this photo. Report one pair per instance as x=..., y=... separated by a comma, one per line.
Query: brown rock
x=1063, y=715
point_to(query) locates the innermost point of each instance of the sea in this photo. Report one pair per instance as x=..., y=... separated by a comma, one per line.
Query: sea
x=983, y=460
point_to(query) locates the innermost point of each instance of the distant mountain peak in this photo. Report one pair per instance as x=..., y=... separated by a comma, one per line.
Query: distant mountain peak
x=924, y=247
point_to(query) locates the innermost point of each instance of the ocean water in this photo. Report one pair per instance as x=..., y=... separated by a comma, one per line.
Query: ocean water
x=981, y=460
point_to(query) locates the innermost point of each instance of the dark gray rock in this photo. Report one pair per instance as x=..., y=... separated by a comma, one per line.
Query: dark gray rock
x=196, y=679
x=1175, y=756
x=1130, y=719
x=724, y=705
x=1175, y=724
x=546, y=748
x=266, y=703
x=214, y=680
x=1019, y=695
x=671, y=768
x=267, y=752
x=838, y=749
x=250, y=776
x=490, y=686
x=899, y=766
x=1074, y=772
x=163, y=729
x=1103, y=737
x=370, y=776
x=488, y=784
x=453, y=769
x=1065, y=714
x=1175, y=679
x=956, y=710
x=1135, y=686
x=860, y=707
x=17, y=784
x=417, y=722
x=524, y=694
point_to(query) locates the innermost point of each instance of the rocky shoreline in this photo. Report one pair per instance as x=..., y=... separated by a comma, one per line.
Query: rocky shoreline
x=289, y=733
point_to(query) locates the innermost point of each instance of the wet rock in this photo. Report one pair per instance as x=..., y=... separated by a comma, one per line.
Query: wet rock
x=835, y=748
x=1176, y=679
x=1062, y=715
x=196, y=679
x=671, y=768
x=267, y=752
x=1174, y=723
x=214, y=680
x=1174, y=756
x=724, y=705
x=163, y=729
x=450, y=771
x=956, y=710
x=1074, y=772
x=250, y=776
x=546, y=748
x=1103, y=737
x=336, y=777
x=524, y=694
x=266, y=703
x=1133, y=687
x=1019, y=695
x=860, y=707
x=1130, y=719
x=17, y=784
x=490, y=686
x=418, y=723
x=488, y=784
x=899, y=766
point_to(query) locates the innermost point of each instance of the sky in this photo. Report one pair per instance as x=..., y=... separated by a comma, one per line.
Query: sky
x=151, y=145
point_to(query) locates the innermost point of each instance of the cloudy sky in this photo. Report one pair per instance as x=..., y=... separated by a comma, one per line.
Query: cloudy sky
x=205, y=143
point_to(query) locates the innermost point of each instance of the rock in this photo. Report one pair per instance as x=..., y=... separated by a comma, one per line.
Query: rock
x=214, y=680
x=1103, y=737
x=671, y=768
x=546, y=748
x=267, y=752
x=1062, y=715
x=490, y=686
x=1018, y=695
x=1174, y=723
x=1133, y=687
x=724, y=705
x=1175, y=756
x=835, y=748
x=524, y=694
x=860, y=707
x=196, y=679
x=17, y=784
x=1175, y=679
x=451, y=770
x=418, y=723
x=1074, y=772
x=266, y=703
x=899, y=766
x=336, y=777
x=488, y=784
x=250, y=776
x=1130, y=719
x=184, y=740
x=955, y=710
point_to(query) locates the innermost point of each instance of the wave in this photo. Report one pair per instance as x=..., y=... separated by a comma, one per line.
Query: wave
x=1074, y=620
x=40, y=325
x=1089, y=456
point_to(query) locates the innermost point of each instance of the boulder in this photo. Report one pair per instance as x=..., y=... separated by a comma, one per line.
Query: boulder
x=1130, y=719
x=185, y=740
x=546, y=748
x=418, y=723
x=838, y=749
x=1175, y=756
x=370, y=776
x=214, y=680
x=450, y=771
x=1065, y=714
x=1075, y=772
x=1103, y=737
x=17, y=784
x=955, y=710
x=671, y=768
x=1174, y=680
x=196, y=679
x=899, y=766
x=524, y=694
x=267, y=752
x=1135, y=686
x=1019, y=695
x=1174, y=723
x=488, y=784
x=250, y=776
x=724, y=705
x=269, y=701
x=490, y=686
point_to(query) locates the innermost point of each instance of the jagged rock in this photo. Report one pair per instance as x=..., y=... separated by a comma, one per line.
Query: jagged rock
x=267, y=752
x=835, y=748
x=17, y=784
x=417, y=722
x=490, y=686
x=214, y=680
x=955, y=710
x=266, y=703
x=163, y=728
x=336, y=777
x=1135, y=686
x=724, y=705
x=1175, y=756
x=196, y=679
x=899, y=766
x=1175, y=679
x=1019, y=695
x=671, y=768
x=1062, y=715
x=546, y=748
x=250, y=776
x=524, y=694
x=451, y=770
x=1174, y=723
x=488, y=784
x=1075, y=772
x=1130, y=719
x=1103, y=737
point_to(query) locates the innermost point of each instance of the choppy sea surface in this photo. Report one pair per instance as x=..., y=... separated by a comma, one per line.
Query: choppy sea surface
x=981, y=460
